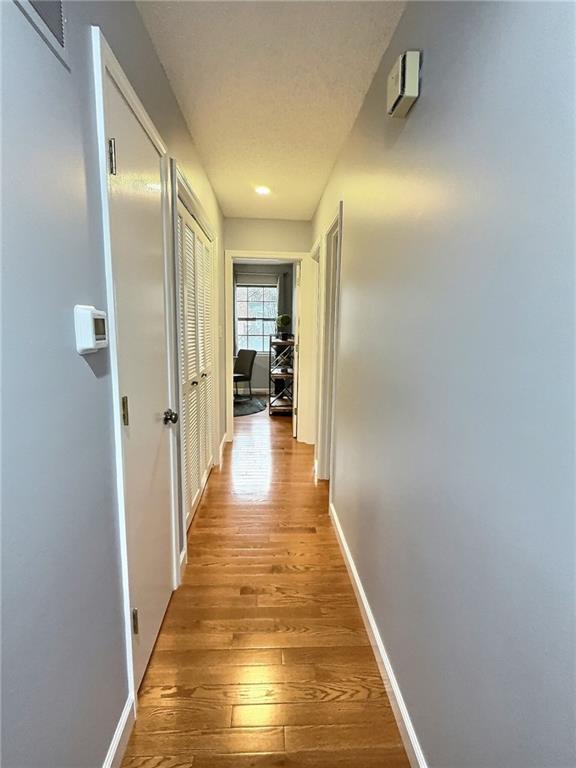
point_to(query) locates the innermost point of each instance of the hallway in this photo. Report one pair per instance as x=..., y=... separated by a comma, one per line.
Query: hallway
x=263, y=659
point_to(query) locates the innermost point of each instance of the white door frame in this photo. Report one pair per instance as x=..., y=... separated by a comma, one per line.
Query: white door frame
x=296, y=302
x=182, y=191
x=229, y=257
x=329, y=301
x=104, y=62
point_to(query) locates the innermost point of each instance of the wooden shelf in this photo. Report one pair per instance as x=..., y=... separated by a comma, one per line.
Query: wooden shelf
x=281, y=355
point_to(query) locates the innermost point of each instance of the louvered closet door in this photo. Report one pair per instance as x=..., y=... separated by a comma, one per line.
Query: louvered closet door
x=208, y=352
x=202, y=400
x=190, y=426
x=204, y=283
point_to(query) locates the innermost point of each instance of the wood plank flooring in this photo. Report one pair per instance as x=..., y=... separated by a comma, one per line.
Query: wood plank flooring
x=263, y=660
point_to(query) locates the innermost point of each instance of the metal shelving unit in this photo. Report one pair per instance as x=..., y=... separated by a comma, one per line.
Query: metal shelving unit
x=281, y=375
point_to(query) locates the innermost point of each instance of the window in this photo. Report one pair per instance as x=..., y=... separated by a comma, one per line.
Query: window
x=256, y=312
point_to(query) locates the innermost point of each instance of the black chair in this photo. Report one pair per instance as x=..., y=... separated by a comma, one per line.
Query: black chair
x=243, y=366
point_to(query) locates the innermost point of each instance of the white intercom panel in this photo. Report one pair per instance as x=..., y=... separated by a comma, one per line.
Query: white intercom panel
x=403, y=84
x=91, y=329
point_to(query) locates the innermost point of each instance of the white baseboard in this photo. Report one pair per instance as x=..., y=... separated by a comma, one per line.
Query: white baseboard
x=407, y=732
x=183, y=561
x=121, y=735
x=255, y=391
x=221, y=451
x=194, y=506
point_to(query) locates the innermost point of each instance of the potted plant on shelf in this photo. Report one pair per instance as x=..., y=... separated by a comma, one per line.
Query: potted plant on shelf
x=282, y=324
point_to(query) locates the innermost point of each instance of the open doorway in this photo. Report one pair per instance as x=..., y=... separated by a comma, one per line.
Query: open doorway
x=264, y=323
x=268, y=314
x=264, y=309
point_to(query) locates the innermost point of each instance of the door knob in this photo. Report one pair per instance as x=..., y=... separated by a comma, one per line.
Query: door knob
x=170, y=416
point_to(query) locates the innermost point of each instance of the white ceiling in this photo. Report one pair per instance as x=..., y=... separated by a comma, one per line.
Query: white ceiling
x=270, y=90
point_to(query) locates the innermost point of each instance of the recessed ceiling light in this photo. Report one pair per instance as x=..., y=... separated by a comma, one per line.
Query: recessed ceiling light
x=262, y=190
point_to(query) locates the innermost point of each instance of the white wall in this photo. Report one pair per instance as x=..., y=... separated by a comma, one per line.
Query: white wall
x=454, y=476
x=64, y=680
x=267, y=235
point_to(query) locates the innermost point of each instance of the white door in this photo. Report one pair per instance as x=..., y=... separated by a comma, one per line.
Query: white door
x=296, y=360
x=195, y=343
x=189, y=363
x=329, y=348
x=205, y=330
x=136, y=232
x=207, y=369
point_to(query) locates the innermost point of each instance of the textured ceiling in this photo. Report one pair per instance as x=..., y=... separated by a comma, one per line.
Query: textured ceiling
x=270, y=90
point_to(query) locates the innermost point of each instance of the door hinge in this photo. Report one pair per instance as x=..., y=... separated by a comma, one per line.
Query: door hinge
x=112, y=156
x=125, y=414
x=296, y=411
x=135, y=624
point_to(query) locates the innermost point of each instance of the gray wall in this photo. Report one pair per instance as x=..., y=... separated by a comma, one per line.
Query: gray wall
x=261, y=364
x=63, y=662
x=267, y=234
x=454, y=461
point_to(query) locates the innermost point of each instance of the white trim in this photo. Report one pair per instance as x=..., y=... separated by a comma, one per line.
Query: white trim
x=176, y=266
x=98, y=68
x=191, y=202
x=183, y=560
x=104, y=61
x=170, y=304
x=221, y=451
x=401, y=714
x=329, y=303
x=121, y=735
x=190, y=516
x=268, y=255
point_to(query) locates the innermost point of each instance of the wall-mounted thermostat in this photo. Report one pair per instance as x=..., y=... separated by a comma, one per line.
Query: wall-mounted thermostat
x=403, y=84
x=91, y=329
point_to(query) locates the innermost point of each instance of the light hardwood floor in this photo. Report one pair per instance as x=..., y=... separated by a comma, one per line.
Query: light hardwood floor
x=263, y=659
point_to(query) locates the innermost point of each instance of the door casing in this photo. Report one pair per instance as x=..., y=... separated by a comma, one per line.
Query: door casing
x=294, y=257
x=329, y=316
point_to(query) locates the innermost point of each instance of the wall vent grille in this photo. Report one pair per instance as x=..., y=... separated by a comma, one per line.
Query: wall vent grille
x=51, y=13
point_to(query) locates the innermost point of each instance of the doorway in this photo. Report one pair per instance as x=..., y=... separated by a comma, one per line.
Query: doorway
x=274, y=280
x=265, y=315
